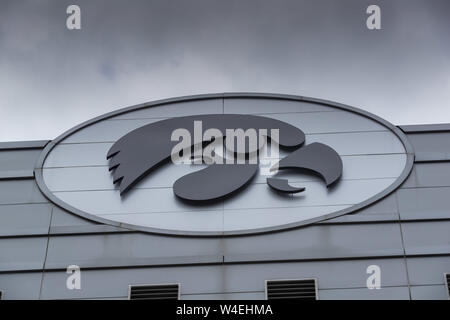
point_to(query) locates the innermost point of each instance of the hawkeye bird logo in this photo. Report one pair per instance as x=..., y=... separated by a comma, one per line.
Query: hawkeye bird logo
x=143, y=150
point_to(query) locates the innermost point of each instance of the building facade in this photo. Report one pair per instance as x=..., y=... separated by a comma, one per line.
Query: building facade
x=382, y=231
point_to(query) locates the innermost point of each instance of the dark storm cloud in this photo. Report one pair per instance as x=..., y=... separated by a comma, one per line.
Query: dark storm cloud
x=129, y=52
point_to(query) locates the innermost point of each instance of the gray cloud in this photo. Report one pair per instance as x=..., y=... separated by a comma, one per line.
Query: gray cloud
x=130, y=52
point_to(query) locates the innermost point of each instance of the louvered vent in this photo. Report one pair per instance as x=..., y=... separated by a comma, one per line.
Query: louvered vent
x=291, y=289
x=447, y=280
x=154, y=292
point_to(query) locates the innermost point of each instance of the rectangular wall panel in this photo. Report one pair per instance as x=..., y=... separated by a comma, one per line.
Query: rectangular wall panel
x=18, y=161
x=428, y=270
x=384, y=210
x=318, y=242
x=115, y=282
x=268, y=106
x=329, y=274
x=329, y=122
x=22, y=253
x=429, y=293
x=424, y=203
x=430, y=146
x=24, y=218
x=62, y=218
x=258, y=196
x=393, y=293
x=20, y=285
x=434, y=174
x=128, y=249
x=82, y=154
x=20, y=191
x=426, y=237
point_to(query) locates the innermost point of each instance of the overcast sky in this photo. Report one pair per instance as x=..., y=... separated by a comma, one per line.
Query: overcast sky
x=129, y=52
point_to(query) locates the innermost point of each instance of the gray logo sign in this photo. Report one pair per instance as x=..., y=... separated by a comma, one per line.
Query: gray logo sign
x=143, y=150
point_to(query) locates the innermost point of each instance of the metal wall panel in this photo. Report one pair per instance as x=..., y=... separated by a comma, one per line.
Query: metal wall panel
x=100, y=178
x=269, y=106
x=62, y=218
x=18, y=161
x=429, y=293
x=20, y=191
x=329, y=275
x=393, y=293
x=428, y=270
x=335, y=241
x=189, y=220
x=426, y=237
x=434, y=174
x=14, y=145
x=329, y=122
x=128, y=249
x=245, y=219
x=259, y=196
x=115, y=282
x=357, y=143
x=22, y=253
x=20, y=285
x=424, y=203
x=139, y=201
x=431, y=146
x=425, y=128
x=109, y=205
x=317, y=242
x=24, y=219
x=383, y=210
